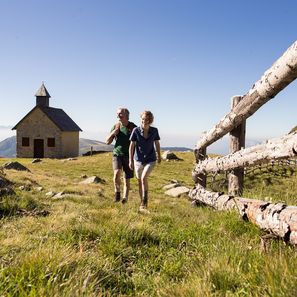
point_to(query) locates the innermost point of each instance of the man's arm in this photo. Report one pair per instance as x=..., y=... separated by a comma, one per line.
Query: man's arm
x=109, y=139
x=131, y=154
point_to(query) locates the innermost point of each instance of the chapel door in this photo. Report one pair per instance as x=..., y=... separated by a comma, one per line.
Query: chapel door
x=38, y=148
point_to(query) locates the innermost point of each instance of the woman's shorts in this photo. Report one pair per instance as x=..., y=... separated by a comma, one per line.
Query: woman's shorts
x=140, y=168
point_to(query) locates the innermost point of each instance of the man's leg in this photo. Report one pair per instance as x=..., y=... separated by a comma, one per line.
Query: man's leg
x=128, y=174
x=117, y=184
x=117, y=170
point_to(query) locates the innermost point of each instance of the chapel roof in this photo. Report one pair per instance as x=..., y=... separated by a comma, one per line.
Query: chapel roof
x=58, y=116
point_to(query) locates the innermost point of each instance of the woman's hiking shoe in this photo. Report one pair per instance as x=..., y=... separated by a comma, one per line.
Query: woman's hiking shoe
x=117, y=197
x=143, y=209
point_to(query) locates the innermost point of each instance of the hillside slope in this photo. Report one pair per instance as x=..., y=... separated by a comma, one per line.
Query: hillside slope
x=8, y=147
x=80, y=243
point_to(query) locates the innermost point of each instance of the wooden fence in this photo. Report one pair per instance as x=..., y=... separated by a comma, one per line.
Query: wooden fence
x=278, y=218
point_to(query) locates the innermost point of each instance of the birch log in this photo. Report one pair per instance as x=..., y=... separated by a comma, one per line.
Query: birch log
x=275, y=79
x=273, y=149
x=277, y=218
x=236, y=143
x=200, y=178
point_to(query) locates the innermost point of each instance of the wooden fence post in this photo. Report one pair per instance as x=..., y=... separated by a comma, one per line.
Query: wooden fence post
x=200, y=155
x=237, y=142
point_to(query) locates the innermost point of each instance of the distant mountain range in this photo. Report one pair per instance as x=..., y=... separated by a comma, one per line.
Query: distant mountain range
x=176, y=148
x=8, y=147
x=86, y=144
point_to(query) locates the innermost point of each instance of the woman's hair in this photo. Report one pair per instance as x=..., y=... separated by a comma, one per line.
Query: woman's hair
x=149, y=115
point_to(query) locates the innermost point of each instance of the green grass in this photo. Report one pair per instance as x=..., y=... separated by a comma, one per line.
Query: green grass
x=89, y=246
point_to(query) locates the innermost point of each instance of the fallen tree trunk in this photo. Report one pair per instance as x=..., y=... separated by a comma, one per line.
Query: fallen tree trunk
x=275, y=79
x=273, y=149
x=277, y=218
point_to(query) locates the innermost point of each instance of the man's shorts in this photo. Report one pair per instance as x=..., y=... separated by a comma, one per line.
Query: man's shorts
x=140, y=168
x=122, y=162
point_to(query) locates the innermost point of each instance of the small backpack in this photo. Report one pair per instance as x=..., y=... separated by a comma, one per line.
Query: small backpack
x=130, y=126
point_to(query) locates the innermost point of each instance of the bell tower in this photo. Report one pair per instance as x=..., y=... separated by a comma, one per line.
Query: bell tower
x=42, y=96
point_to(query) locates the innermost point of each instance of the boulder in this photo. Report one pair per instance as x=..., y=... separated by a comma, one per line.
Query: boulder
x=177, y=191
x=168, y=155
x=6, y=192
x=174, y=181
x=171, y=186
x=68, y=159
x=15, y=166
x=90, y=153
x=4, y=182
x=25, y=188
x=92, y=180
x=59, y=195
x=38, y=189
x=36, y=160
x=50, y=194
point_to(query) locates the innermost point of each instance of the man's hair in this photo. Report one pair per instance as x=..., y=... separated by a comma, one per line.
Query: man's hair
x=124, y=111
x=148, y=114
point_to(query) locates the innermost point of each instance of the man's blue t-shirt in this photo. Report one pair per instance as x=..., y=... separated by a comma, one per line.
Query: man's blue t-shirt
x=144, y=147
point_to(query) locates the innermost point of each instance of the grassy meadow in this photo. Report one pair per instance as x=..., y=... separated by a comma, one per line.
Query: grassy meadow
x=83, y=244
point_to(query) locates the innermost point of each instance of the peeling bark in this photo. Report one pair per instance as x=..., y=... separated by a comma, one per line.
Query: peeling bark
x=200, y=178
x=277, y=218
x=236, y=143
x=275, y=79
x=273, y=149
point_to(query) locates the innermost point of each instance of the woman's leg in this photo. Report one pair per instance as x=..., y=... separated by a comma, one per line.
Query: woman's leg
x=144, y=181
x=138, y=172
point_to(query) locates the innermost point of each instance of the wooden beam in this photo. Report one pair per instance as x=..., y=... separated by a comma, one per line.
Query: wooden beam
x=273, y=149
x=276, y=218
x=237, y=142
x=275, y=79
x=200, y=178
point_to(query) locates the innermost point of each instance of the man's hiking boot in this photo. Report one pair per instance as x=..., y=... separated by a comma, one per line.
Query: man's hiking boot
x=124, y=200
x=117, y=197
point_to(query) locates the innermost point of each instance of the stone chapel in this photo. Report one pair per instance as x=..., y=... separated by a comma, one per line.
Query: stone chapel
x=46, y=132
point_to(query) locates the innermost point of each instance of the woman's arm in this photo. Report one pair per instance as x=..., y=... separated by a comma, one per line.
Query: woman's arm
x=158, y=149
x=131, y=154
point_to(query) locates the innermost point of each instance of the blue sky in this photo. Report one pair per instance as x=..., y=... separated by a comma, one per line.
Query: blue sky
x=183, y=60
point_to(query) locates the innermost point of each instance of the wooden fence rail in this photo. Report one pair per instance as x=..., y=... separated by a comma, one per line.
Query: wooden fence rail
x=273, y=149
x=275, y=79
x=278, y=218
